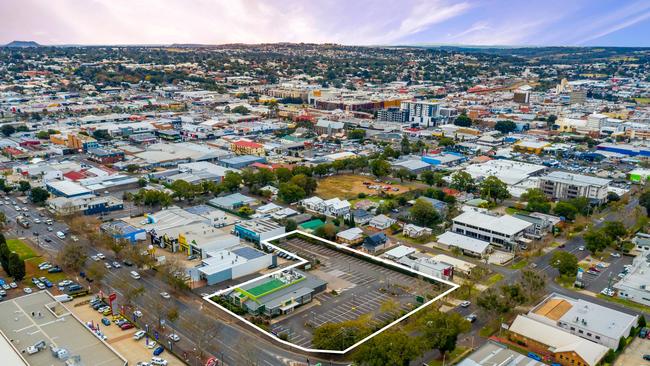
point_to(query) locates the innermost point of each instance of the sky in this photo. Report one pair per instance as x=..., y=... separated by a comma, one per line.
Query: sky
x=351, y=22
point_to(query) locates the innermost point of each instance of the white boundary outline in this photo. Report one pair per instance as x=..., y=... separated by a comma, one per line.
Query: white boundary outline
x=304, y=261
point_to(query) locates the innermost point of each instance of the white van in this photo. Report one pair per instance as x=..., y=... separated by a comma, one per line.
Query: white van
x=135, y=275
x=60, y=234
x=63, y=298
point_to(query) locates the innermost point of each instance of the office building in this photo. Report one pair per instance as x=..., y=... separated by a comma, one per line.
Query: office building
x=562, y=185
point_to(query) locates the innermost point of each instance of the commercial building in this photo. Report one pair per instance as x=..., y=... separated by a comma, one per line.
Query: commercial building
x=446, y=159
x=232, y=201
x=244, y=147
x=258, y=230
x=635, y=286
x=427, y=265
x=503, y=231
x=240, y=162
x=88, y=205
x=562, y=185
x=38, y=317
x=393, y=114
x=467, y=245
x=560, y=346
x=105, y=156
x=492, y=354
x=278, y=294
x=66, y=188
x=585, y=319
x=229, y=264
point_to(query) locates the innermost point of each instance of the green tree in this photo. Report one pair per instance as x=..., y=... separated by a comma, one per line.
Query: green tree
x=102, y=135
x=357, y=134
x=405, y=145
x=393, y=347
x=401, y=174
x=265, y=177
x=494, y=189
x=462, y=181
x=446, y=142
x=533, y=282
x=245, y=211
x=492, y=303
x=322, y=169
x=290, y=193
x=231, y=181
x=566, y=210
x=308, y=184
x=536, y=201
x=24, y=186
x=565, y=262
x=423, y=213
x=380, y=168
x=42, y=135
x=240, y=109
x=249, y=177
x=7, y=130
x=429, y=177
x=16, y=267
x=73, y=256
x=505, y=127
x=440, y=330
x=39, y=195
x=327, y=231
x=644, y=200
x=597, y=240
x=182, y=189
x=615, y=229
x=283, y=174
x=339, y=336
x=290, y=226
x=463, y=121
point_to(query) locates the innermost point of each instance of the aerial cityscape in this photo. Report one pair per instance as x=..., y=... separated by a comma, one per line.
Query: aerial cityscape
x=371, y=183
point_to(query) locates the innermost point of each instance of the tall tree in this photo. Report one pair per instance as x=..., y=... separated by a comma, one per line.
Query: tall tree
x=494, y=189
x=424, y=214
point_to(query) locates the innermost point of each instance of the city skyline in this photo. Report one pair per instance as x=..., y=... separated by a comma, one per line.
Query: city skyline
x=412, y=22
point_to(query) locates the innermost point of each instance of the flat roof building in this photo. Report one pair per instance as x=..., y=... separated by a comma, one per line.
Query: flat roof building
x=504, y=231
x=39, y=317
x=224, y=265
x=562, y=185
x=258, y=230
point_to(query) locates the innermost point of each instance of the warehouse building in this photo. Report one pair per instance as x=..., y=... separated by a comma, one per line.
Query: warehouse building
x=230, y=264
x=258, y=230
x=66, y=188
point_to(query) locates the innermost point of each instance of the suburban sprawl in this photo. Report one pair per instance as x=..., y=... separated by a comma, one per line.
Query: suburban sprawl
x=304, y=204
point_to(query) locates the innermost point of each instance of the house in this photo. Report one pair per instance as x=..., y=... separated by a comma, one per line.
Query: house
x=381, y=222
x=562, y=347
x=313, y=203
x=376, y=243
x=585, y=319
x=361, y=217
x=414, y=231
x=468, y=246
x=539, y=227
x=336, y=207
x=440, y=206
x=274, y=191
x=398, y=253
x=350, y=236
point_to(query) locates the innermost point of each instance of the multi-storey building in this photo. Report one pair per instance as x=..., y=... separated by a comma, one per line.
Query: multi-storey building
x=561, y=185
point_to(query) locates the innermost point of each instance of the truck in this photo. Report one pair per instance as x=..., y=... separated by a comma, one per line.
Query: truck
x=22, y=221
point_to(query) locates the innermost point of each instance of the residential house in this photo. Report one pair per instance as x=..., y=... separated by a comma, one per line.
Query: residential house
x=350, y=236
x=376, y=243
x=414, y=231
x=381, y=222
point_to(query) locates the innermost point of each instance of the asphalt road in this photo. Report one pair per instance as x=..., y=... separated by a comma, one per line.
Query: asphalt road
x=237, y=345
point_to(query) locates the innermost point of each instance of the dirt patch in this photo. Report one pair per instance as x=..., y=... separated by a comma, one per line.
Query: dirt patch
x=349, y=186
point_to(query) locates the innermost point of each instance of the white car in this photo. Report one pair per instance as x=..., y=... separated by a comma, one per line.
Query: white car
x=95, y=258
x=151, y=344
x=65, y=283
x=165, y=295
x=13, y=285
x=158, y=361
x=139, y=335
x=142, y=363
x=616, y=255
x=108, y=265
x=174, y=337
x=101, y=256
x=138, y=314
x=27, y=290
x=44, y=266
x=465, y=304
x=581, y=248
x=37, y=221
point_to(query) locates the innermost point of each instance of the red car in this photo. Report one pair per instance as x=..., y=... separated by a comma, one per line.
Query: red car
x=126, y=326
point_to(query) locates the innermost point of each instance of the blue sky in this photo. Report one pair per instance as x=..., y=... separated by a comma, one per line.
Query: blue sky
x=362, y=22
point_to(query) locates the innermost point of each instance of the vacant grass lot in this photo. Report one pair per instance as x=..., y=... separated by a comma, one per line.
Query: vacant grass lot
x=349, y=186
x=21, y=248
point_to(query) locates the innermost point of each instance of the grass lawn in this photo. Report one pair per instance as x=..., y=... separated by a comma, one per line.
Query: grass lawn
x=487, y=330
x=450, y=357
x=493, y=279
x=21, y=248
x=626, y=303
x=566, y=282
x=642, y=100
x=31, y=270
x=519, y=265
x=348, y=186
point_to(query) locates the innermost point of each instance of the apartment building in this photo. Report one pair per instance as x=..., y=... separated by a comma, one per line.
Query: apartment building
x=562, y=185
x=503, y=231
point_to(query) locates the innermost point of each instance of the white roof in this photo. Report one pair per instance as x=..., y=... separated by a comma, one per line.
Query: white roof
x=463, y=242
x=558, y=339
x=337, y=203
x=576, y=179
x=350, y=234
x=68, y=188
x=505, y=224
x=399, y=252
x=508, y=171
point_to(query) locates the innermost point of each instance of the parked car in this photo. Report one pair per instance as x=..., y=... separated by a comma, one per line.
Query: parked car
x=465, y=304
x=137, y=314
x=27, y=290
x=158, y=361
x=165, y=295
x=158, y=350
x=174, y=337
x=56, y=269
x=139, y=335
x=126, y=326
x=106, y=322
x=471, y=318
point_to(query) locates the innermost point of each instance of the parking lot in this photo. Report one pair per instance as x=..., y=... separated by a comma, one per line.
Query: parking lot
x=633, y=354
x=121, y=340
x=355, y=288
x=596, y=282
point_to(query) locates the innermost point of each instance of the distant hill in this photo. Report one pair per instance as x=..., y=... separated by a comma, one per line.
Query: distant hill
x=22, y=44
